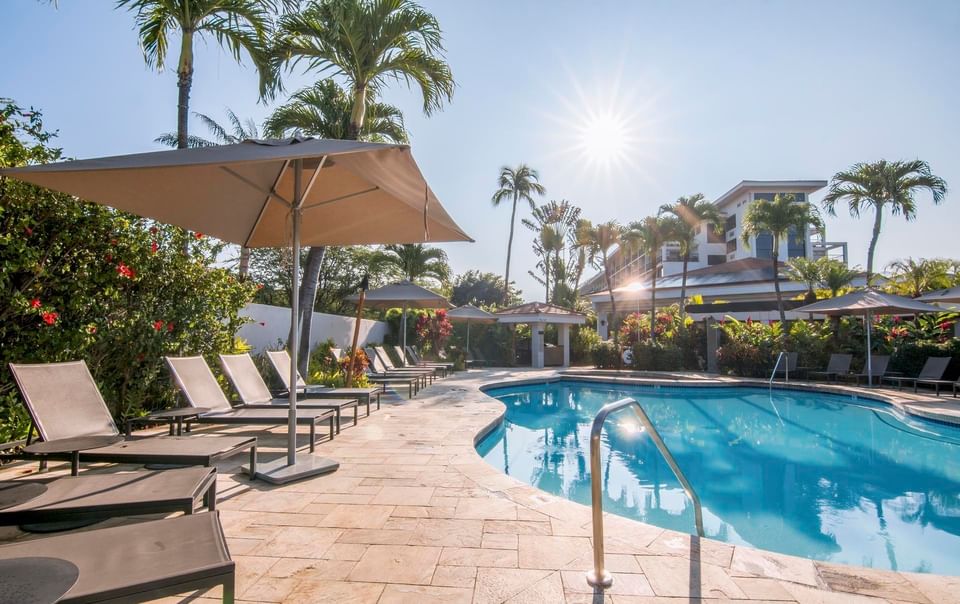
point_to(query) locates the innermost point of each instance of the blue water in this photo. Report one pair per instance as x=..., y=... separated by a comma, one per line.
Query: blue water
x=822, y=476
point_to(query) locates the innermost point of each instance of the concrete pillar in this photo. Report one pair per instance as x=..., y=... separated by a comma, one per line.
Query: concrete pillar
x=536, y=345
x=565, y=342
x=713, y=341
x=602, y=321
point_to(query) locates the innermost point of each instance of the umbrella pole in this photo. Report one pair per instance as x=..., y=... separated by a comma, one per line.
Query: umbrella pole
x=356, y=336
x=869, y=327
x=404, y=327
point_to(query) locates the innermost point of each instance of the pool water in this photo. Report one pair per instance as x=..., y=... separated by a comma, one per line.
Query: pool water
x=817, y=475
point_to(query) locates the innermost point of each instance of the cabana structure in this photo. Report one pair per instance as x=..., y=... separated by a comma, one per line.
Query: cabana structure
x=538, y=315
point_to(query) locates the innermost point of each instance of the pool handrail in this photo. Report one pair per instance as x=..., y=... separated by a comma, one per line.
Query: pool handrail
x=599, y=576
x=786, y=368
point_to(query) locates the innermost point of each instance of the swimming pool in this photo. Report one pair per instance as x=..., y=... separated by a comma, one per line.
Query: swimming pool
x=816, y=475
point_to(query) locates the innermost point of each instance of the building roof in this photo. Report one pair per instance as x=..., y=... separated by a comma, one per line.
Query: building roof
x=804, y=186
x=539, y=312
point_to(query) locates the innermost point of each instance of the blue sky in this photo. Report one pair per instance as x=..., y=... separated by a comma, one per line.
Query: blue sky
x=704, y=94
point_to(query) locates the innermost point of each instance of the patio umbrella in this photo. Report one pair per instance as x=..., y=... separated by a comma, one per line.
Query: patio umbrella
x=468, y=313
x=946, y=296
x=408, y=294
x=867, y=303
x=268, y=193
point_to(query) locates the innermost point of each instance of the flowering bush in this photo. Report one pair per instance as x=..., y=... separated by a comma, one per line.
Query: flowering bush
x=81, y=281
x=434, y=329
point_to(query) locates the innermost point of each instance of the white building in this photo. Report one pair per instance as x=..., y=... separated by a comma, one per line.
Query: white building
x=706, y=277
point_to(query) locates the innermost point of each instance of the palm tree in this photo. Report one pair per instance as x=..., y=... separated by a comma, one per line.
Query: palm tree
x=324, y=110
x=598, y=242
x=835, y=275
x=238, y=25
x=883, y=184
x=912, y=278
x=561, y=217
x=648, y=236
x=804, y=270
x=239, y=130
x=777, y=218
x=691, y=211
x=369, y=44
x=414, y=262
x=515, y=184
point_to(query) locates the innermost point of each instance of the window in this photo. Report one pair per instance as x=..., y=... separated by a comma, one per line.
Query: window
x=714, y=259
x=731, y=222
x=796, y=244
x=764, y=245
x=731, y=246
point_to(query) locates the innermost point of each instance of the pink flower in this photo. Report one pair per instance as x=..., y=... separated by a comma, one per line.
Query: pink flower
x=125, y=271
x=153, y=230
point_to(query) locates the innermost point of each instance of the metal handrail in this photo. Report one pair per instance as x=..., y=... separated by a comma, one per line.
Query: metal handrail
x=599, y=576
x=786, y=368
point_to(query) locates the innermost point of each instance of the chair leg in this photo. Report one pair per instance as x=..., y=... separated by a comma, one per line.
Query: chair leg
x=338, y=411
x=313, y=435
x=211, y=496
x=229, y=586
x=331, y=428
x=356, y=412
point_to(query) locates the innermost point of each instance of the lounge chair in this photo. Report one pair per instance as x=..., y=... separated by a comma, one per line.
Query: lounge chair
x=242, y=373
x=411, y=359
x=936, y=383
x=932, y=374
x=99, y=496
x=63, y=402
x=280, y=361
x=480, y=358
x=200, y=389
x=381, y=362
x=837, y=367
x=134, y=562
x=878, y=365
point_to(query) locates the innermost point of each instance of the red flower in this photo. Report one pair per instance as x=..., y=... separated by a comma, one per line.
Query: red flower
x=28, y=231
x=153, y=230
x=154, y=247
x=198, y=235
x=35, y=303
x=125, y=271
x=49, y=317
x=169, y=327
x=108, y=257
x=113, y=242
x=140, y=357
x=749, y=321
x=158, y=325
x=944, y=326
x=896, y=319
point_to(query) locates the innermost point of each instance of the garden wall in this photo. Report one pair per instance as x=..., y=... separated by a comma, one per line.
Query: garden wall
x=271, y=325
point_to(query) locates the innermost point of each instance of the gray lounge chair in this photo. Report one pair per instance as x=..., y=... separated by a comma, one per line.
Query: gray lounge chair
x=242, y=373
x=137, y=562
x=100, y=496
x=878, y=366
x=414, y=360
x=480, y=358
x=837, y=367
x=280, y=360
x=200, y=389
x=64, y=402
x=381, y=362
x=932, y=374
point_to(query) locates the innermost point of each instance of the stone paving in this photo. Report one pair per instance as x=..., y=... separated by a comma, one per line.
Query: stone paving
x=415, y=515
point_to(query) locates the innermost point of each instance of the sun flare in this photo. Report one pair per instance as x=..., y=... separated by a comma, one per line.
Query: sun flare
x=604, y=137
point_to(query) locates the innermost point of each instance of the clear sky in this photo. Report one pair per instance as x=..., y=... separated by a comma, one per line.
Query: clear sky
x=693, y=97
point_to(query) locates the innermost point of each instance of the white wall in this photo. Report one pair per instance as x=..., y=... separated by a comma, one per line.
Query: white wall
x=272, y=324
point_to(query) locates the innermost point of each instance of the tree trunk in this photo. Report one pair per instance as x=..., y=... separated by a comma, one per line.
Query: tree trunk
x=653, y=304
x=776, y=285
x=506, y=273
x=613, y=302
x=358, y=114
x=873, y=242
x=683, y=292
x=308, y=298
x=546, y=274
x=244, y=268
x=184, y=82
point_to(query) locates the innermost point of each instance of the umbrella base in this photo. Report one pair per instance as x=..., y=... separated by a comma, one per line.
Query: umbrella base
x=280, y=472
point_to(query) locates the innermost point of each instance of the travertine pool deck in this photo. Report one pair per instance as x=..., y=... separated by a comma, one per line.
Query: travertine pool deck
x=415, y=515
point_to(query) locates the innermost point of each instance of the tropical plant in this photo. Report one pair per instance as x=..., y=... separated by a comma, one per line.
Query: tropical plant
x=648, y=236
x=482, y=290
x=368, y=44
x=239, y=130
x=434, y=329
x=598, y=242
x=836, y=275
x=691, y=211
x=804, y=270
x=777, y=217
x=883, y=184
x=324, y=110
x=516, y=184
x=237, y=25
x=909, y=277
x=554, y=224
x=414, y=262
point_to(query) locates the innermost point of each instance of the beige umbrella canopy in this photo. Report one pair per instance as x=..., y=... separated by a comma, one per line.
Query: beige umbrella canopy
x=869, y=302
x=405, y=293
x=468, y=313
x=268, y=193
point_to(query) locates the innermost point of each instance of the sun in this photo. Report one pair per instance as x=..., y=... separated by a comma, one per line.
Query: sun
x=604, y=137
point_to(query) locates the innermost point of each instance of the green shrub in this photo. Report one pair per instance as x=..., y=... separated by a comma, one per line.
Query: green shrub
x=909, y=357
x=606, y=355
x=749, y=347
x=657, y=357
x=582, y=342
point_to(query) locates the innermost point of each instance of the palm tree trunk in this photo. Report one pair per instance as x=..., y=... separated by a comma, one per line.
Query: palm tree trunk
x=873, y=242
x=244, y=267
x=683, y=292
x=308, y=298
x=506, y=273
x=546, y=274
x=613, y=301
x=776, y=285
x=184, y=82
x=653, y=304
